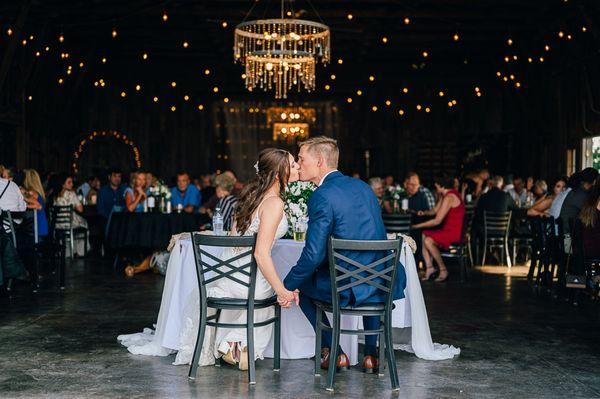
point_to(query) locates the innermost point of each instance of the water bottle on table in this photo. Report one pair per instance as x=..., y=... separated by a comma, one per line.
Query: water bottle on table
x=218, y=223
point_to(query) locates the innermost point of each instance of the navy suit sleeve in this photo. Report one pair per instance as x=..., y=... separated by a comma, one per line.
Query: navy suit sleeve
x=320, y=226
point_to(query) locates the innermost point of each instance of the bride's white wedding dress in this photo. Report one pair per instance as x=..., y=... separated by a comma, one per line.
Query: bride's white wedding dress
x=216, y=341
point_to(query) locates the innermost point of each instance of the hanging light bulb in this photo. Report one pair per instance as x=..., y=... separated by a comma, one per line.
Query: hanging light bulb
x=185, y=44
x=173, y=84
x=165, y=17
x=456, y=37
x=61, y=38
x=425, y=54
x=509, y=41
x=9, y=32
x=406, y=21
x=114, y=32
x=145, y=56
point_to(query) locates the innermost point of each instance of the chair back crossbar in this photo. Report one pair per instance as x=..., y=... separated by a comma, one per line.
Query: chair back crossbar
x=397, y=223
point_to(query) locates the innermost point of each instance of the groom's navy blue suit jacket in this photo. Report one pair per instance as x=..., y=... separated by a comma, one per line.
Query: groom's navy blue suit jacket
x=345, y=208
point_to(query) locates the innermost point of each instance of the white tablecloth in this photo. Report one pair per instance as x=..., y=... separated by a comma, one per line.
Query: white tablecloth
x=297, y=335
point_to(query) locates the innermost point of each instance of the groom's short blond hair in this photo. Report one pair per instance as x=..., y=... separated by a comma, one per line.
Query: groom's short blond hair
x=326, y=147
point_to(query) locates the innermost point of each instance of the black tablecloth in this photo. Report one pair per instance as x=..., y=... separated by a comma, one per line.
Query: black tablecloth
x=150, y=230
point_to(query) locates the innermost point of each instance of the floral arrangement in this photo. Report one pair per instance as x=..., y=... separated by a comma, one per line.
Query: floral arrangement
x=396, y=193
x=160, y=190
x=296, y=201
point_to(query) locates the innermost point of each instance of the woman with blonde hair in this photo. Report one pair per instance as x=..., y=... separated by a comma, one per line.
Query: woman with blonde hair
x=35, y=197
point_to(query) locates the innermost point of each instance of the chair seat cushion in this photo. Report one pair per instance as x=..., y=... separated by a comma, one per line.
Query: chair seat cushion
x=367, y=307
x=241, y=302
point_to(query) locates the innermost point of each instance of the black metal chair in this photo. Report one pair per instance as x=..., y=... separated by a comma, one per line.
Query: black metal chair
x=62, y=218
x=496, y=226
x=209, y=269
x=521, y=236
x=462, y=250
x=543, y=230
x=397, y=223
x=380, y=274
x=7, y=223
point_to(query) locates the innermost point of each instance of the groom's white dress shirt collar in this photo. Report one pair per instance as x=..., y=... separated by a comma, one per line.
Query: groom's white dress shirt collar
x=325, y=177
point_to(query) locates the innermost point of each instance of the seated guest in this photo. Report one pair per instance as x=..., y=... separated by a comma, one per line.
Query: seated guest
x=237, y=185
x=388, y=181
x=545, y=199
x=35, y=198
x=419, y=197
x=92, y=195
x=571, y=183
x=65, y=196
x=111, y=195
x=135, y=195
x=377, y=186
x=85, y=188
x=150, y=180
x=227, y=201
x=589, y=217
x=475, y=181
x=11, y=199
x=185, y=195
x=208, y=190
x=576, y=198
x=494, y=200
x=448, y=215
x=519, y=193
x=7, y=173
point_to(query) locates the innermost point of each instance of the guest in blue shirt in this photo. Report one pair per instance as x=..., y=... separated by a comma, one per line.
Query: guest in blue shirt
x=111, y=195
x=136, y=194
x=185, y=194
x=35, y=199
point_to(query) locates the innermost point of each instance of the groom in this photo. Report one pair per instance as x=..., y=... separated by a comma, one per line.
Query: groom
x=345, y=208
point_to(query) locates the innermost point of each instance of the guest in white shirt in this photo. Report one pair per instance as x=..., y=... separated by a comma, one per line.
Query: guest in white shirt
x=12, y=199
x=518, y=193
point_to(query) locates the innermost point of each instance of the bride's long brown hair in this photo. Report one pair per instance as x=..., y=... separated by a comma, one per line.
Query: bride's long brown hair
x=273, y=163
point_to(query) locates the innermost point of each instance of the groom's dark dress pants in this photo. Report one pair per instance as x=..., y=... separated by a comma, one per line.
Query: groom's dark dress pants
x=369, y=322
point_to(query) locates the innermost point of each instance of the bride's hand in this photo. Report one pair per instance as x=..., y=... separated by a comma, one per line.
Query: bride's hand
x=285, y=298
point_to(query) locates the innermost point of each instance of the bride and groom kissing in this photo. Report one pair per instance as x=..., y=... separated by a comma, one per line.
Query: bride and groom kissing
x=342, y=207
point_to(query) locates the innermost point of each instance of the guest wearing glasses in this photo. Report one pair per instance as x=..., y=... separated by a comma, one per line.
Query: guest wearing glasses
x=377, y=186
x=419, y=197
x=448, y=215
x=111, y=196
x=227, y=202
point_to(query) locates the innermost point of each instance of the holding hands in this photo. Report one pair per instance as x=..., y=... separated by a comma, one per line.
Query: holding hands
x=285, y=298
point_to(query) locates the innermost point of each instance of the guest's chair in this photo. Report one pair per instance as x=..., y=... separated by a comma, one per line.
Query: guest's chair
x=462, y=249
x=543, y=232
x=496, y=226
x=210, y=268
x=380, y=274
x=397, y=223
x=62, y=218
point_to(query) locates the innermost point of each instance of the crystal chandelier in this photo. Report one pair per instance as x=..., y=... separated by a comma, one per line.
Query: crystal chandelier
x=281, y=54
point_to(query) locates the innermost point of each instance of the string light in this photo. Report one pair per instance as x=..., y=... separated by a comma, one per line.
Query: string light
x=384, y=40
x=173, y=84
x=388, y=102
x=224, y=24
x=359, y=92
x=30, y=37
x=173, y=108
x=441, y=94
x=349, y=100
x=155, y=99
x=207, y=72
x=60, y=81
x=9, y=32
x=24, y=41
x=123, y=94
x=165, y=17
x=185, y=44
x=332, y=77
x=327, y=87
x=37, y=53
x=61, y=38
x=225, y=100
x=425, y=54
x=401, y=112
x=114, y=32
x=200, y=107
x=372, y=78
x=104, y=60
x=517, y=85
x=145, y=56
x=506, y=59
x=547, y=48
x=583, y=29
x=81, y=65
x=215, y=89
x=509, y=41
x=561, y=34
x=419, y=107
x=114, y=134
x=186, y=97
x=340, y=61
x=406, y=21
x=427, y=109
x=138, y=87
x=349, y=16
x=456, y=37
x=30, y=98
x=374, y=108
x=405, y=90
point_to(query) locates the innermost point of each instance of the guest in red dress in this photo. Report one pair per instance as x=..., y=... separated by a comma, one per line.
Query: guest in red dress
x=448, y=215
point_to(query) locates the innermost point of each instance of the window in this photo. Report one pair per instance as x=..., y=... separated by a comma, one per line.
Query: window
x=590, y=155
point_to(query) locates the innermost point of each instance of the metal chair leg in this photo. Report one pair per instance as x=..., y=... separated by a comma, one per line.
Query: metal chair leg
x=71, y=236
x=318, y=334
x=251, y=359
x=507, y=254
x=334, y=351
x=277, y=341
x=485, y=244
x=390, y=352
x=199, y=343
x=381, y=342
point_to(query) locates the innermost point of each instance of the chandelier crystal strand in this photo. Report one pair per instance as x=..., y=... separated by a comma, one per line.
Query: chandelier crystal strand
x=281, y=54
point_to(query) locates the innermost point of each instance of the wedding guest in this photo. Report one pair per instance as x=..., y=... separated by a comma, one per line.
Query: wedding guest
x=85, y=188
x=8, y=173
x=237, y=185
x=35, y=198
x=589, y=217
x=111, y=195
x=65, y=196
x=576, y=198
x=388, y=181
x=208, y=190
x=377, y=186
x=11, y=198
x=150, y=180
x=135, y=195
x=185, y=195
x=545, y=200
x=419, y=197
x=475, y=182
x=448, y=215
x=92, y=194
x=227, y=201
x=518, y=193
x=572, y=182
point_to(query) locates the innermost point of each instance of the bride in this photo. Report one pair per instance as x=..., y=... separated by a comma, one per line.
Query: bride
x=259, y=211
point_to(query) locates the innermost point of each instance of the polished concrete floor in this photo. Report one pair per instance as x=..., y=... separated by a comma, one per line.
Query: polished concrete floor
x=514, y=344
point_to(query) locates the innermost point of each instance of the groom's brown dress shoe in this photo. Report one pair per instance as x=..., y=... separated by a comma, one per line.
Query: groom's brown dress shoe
x=341, y=364
x=370, y=364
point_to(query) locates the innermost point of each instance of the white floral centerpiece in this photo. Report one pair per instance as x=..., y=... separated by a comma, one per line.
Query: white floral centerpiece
x=395, y=195
x=161, y=192
x=296, y=201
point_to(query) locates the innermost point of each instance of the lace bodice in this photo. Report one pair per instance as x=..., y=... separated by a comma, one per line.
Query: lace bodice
x=282, y=228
